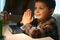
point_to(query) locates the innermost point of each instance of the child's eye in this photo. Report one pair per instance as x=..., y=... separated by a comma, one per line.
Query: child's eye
x=41, y=8
x=38, y=8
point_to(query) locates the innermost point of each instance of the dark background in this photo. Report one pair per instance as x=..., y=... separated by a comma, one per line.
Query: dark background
x=17, y=7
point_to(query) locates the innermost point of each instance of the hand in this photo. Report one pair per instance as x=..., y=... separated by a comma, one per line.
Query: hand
x=27, y=17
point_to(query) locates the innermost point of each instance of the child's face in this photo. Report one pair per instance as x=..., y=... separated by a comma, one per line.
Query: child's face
x=41, y=10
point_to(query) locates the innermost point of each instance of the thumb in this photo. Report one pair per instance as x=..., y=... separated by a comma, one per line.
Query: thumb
x=32, y=19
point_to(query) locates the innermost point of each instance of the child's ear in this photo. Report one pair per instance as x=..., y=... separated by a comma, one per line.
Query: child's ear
x=51, y=11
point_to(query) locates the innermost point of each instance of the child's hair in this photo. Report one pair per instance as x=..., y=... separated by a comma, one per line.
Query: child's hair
x=49, y=3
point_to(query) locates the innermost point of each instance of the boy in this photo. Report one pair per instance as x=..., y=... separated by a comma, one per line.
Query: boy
x=44, y=25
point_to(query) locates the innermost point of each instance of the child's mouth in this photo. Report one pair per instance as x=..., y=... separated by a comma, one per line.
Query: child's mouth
x=38, y=14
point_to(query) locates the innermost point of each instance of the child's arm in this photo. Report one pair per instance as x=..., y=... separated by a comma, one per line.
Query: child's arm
x=48, y=30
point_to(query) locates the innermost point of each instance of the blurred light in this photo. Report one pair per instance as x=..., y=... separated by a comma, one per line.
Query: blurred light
x=2, y=3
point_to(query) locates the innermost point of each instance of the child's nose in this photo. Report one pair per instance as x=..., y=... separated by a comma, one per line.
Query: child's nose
x=37, y=11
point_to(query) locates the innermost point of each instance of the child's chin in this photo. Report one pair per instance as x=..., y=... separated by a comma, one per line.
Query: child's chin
x=38, y=18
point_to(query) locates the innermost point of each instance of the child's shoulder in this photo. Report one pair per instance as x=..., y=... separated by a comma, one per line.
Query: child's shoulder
x=51, y=21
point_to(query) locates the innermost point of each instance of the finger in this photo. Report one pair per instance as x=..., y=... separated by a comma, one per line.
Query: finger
x=24, y=15
x=29, y=12
x=31, y=19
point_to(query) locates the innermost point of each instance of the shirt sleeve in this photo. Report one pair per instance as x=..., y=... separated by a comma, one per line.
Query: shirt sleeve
x=34, y=32
x=43, y=32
